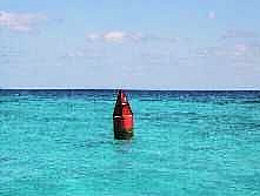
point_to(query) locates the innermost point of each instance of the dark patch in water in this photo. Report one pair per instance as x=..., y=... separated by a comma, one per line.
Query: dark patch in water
x=94, y=144
x=6, y=159
x=251, y=101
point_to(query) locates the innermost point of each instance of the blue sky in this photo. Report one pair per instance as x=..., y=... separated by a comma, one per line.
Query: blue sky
x=137, y=44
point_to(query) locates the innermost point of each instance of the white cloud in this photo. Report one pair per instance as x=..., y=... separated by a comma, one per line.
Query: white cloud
x=114, y=36
x=120, y=36
x=233, y=43
x=238, y=54
x=237, y=34
x=92, y=36
x=123, y=36
x=224, y=51
x=211, y=15
x=240, y=49
x=21, y=22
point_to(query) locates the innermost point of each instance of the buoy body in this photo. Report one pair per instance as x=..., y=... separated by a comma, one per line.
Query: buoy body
x=123, y=118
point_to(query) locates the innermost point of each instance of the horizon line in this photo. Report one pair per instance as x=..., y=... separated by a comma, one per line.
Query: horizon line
x=133, y=89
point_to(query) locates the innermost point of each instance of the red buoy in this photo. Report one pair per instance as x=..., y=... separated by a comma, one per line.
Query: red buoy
x=123, y=118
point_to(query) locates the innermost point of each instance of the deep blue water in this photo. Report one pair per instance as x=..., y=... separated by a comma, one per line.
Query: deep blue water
x=60, y=142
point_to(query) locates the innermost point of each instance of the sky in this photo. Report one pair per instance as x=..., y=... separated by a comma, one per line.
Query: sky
x=134, y=44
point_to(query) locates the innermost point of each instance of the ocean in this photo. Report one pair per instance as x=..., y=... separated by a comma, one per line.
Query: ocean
x=61, y=142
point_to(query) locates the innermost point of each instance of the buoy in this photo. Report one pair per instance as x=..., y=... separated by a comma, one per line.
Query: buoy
x=123, y=118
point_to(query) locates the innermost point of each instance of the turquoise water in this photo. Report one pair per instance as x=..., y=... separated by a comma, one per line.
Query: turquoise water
x=186, y=143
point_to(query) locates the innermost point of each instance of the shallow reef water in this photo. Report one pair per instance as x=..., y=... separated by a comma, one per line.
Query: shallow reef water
x=60, y=142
